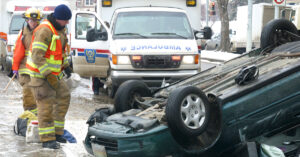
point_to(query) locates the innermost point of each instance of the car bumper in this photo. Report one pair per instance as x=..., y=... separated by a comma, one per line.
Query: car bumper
x=151, y=78
x=124, y=143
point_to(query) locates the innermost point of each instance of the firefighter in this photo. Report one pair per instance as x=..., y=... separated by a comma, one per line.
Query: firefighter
x=3, y=50
x=32, y=17
x=46, y=60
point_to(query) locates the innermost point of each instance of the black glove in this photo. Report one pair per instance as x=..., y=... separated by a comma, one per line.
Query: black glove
x=68, y=70
x=10, y=74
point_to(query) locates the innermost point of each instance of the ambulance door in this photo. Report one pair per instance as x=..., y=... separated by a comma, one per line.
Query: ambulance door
x=89, y=58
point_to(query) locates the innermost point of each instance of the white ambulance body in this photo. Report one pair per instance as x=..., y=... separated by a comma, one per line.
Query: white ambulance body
x=154, y=43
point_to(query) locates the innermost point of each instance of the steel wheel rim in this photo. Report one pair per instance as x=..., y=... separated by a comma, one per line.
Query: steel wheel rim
x=192, y=111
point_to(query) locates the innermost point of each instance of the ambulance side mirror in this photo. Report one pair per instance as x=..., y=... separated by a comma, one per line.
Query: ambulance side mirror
x=205, y=33
x=102, y=36
x=91, y=35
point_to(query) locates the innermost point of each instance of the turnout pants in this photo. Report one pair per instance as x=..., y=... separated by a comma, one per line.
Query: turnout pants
x=29, y=102
x=52, y=106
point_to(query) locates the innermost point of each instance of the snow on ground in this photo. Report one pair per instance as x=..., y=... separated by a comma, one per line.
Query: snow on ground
x=217, y=55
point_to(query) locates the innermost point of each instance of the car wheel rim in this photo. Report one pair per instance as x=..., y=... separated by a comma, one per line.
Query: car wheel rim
x=193, y=111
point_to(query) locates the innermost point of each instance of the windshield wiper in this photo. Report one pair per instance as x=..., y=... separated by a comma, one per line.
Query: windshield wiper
x=167, y=33
x=131, y=34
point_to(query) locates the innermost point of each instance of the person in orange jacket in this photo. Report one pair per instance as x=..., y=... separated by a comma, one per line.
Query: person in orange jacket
x=3, y=49
x=32, y=17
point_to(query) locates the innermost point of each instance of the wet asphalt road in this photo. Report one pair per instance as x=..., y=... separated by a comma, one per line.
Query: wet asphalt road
x=83, y=103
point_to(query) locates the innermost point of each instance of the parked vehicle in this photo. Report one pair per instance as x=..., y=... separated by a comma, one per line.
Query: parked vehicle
x=152, y=44
x=262, y=13
x=215, y=41
x=218, y=112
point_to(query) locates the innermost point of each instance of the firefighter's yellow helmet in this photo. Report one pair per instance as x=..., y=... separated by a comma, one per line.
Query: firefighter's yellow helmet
x=33, y=13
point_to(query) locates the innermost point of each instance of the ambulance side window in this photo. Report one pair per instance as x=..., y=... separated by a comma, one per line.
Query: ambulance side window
x=85, y=22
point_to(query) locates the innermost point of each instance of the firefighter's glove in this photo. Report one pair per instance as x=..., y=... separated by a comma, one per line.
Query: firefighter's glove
x=52, y=80
x=68, y=70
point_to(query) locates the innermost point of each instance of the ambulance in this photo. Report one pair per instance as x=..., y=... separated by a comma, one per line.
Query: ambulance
x=154, y=41
x=12, y=14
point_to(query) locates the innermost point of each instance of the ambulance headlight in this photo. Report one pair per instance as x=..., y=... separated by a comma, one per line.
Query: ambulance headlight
x=188, y=60
x=123, y=60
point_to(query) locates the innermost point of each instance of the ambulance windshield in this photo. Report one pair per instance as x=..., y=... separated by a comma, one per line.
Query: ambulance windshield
x=147, y=24
x=17, y=22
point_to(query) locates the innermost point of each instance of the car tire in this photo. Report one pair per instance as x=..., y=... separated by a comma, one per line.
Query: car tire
x=127, y=92
x=199, y=110
x=274, y=33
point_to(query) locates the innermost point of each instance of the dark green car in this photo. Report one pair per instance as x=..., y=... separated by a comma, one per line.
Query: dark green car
x=227, y=110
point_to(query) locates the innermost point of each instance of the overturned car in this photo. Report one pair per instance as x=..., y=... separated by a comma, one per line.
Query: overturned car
x=228, y=110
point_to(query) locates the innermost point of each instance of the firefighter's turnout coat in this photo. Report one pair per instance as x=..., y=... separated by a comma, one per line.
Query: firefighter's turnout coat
x=47, y=57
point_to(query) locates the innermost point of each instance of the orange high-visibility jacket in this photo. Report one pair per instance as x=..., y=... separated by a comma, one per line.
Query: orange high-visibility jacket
x=19, y=52
x=53, y=55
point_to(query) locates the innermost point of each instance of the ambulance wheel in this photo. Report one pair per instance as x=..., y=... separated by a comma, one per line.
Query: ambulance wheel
x=278, y=32
x=129, y=94
x=187, y=111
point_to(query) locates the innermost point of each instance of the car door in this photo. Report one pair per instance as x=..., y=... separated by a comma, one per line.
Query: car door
x=89, y=58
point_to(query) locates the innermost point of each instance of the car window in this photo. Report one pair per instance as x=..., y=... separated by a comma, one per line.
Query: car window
x=85, y=22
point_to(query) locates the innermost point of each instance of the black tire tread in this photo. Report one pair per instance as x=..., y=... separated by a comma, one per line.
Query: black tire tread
x=267, y=34
x=124, y=92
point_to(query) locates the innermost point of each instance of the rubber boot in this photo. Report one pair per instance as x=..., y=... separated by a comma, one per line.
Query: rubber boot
x=60, y=139
x=51, y=145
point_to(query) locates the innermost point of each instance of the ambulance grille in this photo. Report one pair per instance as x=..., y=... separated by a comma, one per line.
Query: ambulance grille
x=156, y=61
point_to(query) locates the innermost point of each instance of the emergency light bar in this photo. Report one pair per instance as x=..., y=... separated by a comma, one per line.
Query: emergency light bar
x=49, y=8
x=190, y=3
x=21, y=8
x=106, y=3
x=24, y=8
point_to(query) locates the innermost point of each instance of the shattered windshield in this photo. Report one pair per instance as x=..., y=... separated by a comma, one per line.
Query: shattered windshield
x=151, y=24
